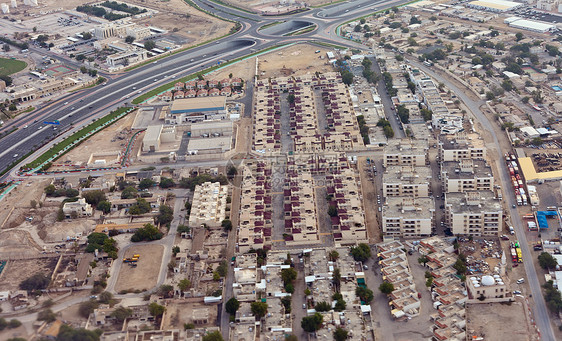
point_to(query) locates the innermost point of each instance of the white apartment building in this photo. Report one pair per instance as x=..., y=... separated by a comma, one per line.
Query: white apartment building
x=466, y=175
x=461, y=146
x=473, y=213
x=406, y=152
x=408, y=217
x=78, y=208
x=209, y=204
x=406, y=181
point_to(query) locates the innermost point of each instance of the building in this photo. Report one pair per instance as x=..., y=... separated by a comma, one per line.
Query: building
x=460, y=146
x=190, y=110
x=156, y=135
x=77, y=209
x=466, y=175
x=474, y=213
x=209, y=204
x=485, y=288
x=495, y=5
x=126, y=57
x=405, y=152
x=530, y=25
x=406, y=181
x=408, y=217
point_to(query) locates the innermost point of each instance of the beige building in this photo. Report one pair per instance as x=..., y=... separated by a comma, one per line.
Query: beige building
x=466, y=175
x=408, y=217
x=208, y=205
x=473, y=213
x=78, y=208
x=405, y=152
x=461, y=146
x=300, y=210
x=406, y=181
x=481, y=288
x=156, y=135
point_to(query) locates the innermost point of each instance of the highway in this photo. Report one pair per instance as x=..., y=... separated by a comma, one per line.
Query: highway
x=542, y=317
x=78, y=108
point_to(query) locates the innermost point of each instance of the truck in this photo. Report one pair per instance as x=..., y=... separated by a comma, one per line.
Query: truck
x=511, y=171
x=513, y=255
x=511, y=231
x=519, y=200
x=524, y=199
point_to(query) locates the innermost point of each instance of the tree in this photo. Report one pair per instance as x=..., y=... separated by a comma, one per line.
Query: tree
x=288, y=275
x=546, y=261
x=259, y=309
x=121, y=314
x=67, y=333
x=333, y=255
x=37, y=281
x=86, y=35
x=323, y=306
x=156, y=309
x=149, y=44
x=7, y=79
x=361, y=253
x=232, y=305
x=312, y=323
x=518, y=36
x=88, y=307
x=183, y=228
x=94, y=197
x=104, y=206
x=347, y=78
x=340, y=334
x=146, y=233
x=184, y=284
x=166, y=290
x=460, y=266
x=166, y=183
x=214, y=336
x=130, y=192
x=146, y=183
x=423, y=260
x=165, y=215
x=291, y=98
x=105, y=297
x=96, y=241
x=46, y=315
x=386, y=288
x=129, y=39
x=364, y=293
x=6, y=47
x=226, y=224
x=140, y=207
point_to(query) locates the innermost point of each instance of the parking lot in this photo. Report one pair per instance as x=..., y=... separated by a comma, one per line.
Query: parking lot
x=63, y=24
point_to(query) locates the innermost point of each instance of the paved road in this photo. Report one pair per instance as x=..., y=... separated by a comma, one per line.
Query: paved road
x=96, y=102
x=541, y=314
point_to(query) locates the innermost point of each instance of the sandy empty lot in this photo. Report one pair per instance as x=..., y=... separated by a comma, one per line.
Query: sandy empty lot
x=145, y=275
x=18, y=270
x=491, y=321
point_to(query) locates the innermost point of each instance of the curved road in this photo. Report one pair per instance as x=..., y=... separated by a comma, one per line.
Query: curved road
x=541, y=314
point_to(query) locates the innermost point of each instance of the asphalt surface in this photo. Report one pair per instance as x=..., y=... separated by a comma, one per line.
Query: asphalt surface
x=542, y=317
x=76, y=109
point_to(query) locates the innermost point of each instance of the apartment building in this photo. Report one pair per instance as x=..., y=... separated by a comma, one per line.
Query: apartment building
x=466, y=175
x=300, y=210
x=267, y=121
x=461, y=146
x=208, y=205
x=255, y=207
x=406, y=181
x=405, y=152
x=348, y=225
x=77, y=209
x=407, y=216
x=473, y=213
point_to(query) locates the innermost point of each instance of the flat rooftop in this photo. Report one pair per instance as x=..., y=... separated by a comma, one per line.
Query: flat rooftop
x=479, y=202
x=408, y=175
x=221, y=142
x=420, y=208
x=466, y=168
x=406, y=146
x=198, y=104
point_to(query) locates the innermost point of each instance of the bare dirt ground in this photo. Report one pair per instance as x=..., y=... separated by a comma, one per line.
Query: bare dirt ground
x=294, y=60
x=18, y=270
x=145, y=275
x=113, y=138
x=492, y=321
x=369, y=202
x=15, y=206
x=18, y=243
x=297, y=59
x=180, y=312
